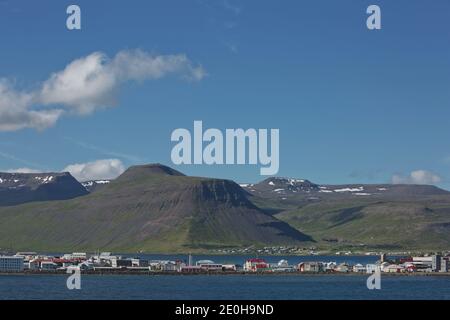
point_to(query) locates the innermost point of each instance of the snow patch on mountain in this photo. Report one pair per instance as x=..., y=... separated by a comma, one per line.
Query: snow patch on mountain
x=350, y=189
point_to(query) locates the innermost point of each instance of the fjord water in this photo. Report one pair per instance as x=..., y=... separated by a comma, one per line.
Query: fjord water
x=234, y=287
x=237, y=287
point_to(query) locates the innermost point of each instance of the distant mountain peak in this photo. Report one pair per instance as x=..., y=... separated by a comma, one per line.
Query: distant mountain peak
x=291, y=188
x=282, y=184
x=148, y=170
x=16, y=188
x=32, y=180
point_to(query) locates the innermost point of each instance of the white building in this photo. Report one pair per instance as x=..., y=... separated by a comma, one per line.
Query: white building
x=283, y=264
x=372, y=268
x=75, y=255
x=169, y=266
x=394, y=268
x=48, y=266
x=11, y=264
x=209, y=265
x=27, y=256
x=359, y=268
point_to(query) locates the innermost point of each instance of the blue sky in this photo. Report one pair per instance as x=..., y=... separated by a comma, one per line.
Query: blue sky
x=352, y=105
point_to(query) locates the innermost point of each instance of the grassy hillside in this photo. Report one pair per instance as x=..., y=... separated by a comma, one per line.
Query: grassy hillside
x=413, y=224
x=149, y=208
x=154, y=208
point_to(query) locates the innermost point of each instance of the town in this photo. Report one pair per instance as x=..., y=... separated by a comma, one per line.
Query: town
x=106, y=262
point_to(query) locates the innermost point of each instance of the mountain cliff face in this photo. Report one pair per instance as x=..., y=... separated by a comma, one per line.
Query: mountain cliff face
x=148, y=208
x=17, y=188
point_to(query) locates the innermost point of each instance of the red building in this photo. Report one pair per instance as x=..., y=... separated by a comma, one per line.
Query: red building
x=256, y=265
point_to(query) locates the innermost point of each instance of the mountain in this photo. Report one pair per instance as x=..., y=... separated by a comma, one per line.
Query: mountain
x=18, y=188
x=149, y=208
x=280, y=194
x=94, y=185
x=362, y=215
x=154, y=208
x=288, y=188
x=283, y=185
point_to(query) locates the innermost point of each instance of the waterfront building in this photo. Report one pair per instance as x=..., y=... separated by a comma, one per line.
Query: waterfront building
x=27, y=256
x=204, y=262
x=445, y=265
x=423, y=260
x=86, y=265
x=209, y=265
x=34, y=264
x=329, y=266
x=72, y=269
x=343, y=268
x=64, y=263
x=136, y=263
x=436, y=262
x=423, y=264
x=372, y=268
x=191, y=269
x=394, y=268
x=121, y=263
x=105, y=259
x=410, y=267
x=48, y=266
x=158, y=265
x=76, y=255
x=283, y=264
x=168, y=266
x=384, y=265
x=359, y=268
x=310, y=267
x=256, y=265
x=11, y=264
x=229, y=267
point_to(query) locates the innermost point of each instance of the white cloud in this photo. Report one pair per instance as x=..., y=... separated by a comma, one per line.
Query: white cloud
x=417, y=177
x=96, y=170
x=139, y=65
x=16, y=112
x=91, y=82
x=23, y=170
x=85, y=85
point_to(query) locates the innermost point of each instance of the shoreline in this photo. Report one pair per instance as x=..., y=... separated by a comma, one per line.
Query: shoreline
x=217, y=274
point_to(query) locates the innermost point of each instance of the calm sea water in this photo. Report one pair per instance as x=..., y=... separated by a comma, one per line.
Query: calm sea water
x=268, y=287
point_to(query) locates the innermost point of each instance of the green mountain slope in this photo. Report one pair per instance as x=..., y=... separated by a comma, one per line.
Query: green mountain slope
x=413, y=224
x=365, y=216
x=149, y=208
